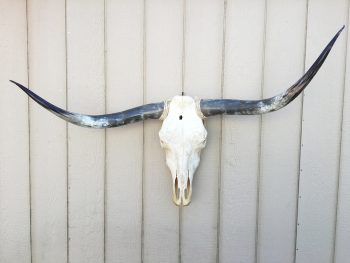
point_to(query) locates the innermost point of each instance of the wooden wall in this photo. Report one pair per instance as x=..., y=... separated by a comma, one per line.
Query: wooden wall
x=269, y=189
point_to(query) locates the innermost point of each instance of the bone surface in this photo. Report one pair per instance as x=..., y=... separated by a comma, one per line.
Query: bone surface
x=182, y=136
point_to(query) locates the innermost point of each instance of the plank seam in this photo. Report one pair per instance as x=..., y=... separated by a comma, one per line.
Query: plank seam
x=67, y=130
x=144, y=45
x=29, y=142
x=183, y=67
x=260, y=138
x=105, y=133
x=221, y=133
x=301, y=120
x=184, y=9
x=340, y=160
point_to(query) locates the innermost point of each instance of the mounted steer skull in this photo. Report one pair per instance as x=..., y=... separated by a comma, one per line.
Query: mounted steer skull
x=183, y=135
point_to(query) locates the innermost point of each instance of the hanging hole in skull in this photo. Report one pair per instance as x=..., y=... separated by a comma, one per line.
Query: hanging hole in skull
x=180, y=117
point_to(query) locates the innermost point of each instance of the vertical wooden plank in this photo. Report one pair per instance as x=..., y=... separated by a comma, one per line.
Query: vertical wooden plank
x=321, y=135
x=163, y=78
x=241, y=134
x=124, y=72
x=85, y=76
x=280, y=139
x=202, y=78
x=14, y=137
x=48, y=152
x=342, y=240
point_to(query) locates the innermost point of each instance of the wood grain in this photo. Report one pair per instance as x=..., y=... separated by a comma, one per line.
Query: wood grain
x=241, y=134
x=163, y=77
x=321, y=136
x=86, y=147
x=48, y=151
x=280, y=138
x=202, y=78
x=84, y=195
x=342, y=239
x=124, y=152
x=14, y=136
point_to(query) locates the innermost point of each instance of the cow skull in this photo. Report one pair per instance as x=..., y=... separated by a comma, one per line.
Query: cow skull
x=183, y=135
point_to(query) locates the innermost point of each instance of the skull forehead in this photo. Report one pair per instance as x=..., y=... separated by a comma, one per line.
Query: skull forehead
x=183, y=122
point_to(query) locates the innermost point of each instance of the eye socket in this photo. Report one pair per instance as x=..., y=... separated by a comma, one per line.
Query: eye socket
x=204, y=141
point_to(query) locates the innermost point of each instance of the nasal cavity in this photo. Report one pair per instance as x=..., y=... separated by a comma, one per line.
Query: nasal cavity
x=180, y=117
x=177, y=189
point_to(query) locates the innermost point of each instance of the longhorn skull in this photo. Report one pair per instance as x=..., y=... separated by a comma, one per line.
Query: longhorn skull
x=183, y=134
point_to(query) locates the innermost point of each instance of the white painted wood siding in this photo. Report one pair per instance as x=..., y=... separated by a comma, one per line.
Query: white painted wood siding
x=269, y=189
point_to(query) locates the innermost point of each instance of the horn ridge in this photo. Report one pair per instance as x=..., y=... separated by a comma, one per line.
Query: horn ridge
x=210, y=107
x=147, y=111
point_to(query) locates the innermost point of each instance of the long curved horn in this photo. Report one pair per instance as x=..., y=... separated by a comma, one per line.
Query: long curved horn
x=250, y=107
x=148, y=111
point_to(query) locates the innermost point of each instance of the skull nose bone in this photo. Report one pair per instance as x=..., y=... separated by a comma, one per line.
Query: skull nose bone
x=182, y=193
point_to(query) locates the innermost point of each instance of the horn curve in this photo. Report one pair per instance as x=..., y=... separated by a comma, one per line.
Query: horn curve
x=210, y=107
x=147, y=111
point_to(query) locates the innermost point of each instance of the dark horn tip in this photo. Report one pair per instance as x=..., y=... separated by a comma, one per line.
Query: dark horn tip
x=331, y=43
x=337, y=34
x=14, y=82
x=340, y=30
x=18, y=84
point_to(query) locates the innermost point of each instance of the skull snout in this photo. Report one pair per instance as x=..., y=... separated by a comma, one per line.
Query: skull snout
x=182, y=189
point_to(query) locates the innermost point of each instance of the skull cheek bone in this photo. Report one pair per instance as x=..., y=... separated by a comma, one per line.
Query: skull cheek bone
x=182, y=136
